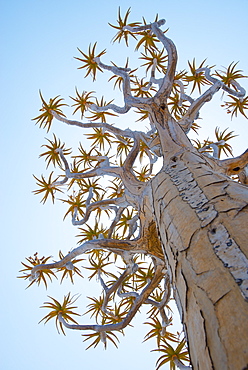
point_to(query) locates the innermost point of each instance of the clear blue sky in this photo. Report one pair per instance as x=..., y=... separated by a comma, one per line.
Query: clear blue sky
x=39, y=39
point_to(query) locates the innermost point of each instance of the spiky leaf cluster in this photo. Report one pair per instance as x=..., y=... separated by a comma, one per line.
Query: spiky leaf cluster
x=95, y=202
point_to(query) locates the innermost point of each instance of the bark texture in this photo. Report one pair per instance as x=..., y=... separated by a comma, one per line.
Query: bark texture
x=201, y=217
x=190, y=215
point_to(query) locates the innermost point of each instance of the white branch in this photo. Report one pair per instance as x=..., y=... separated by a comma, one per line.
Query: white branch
x=122, y=72
x=161, y=305
x=153, y=80
x=165, y=88
x=130, y=269
x=239, y=94
x=133, y=225
x=139, y=300
x=193, y=111
x=103, y=204
x=120, y=247
x=102, y=169
x=161, y=22
x=117, y=218
x=166, y=85
x=180, y=365
x=129, y=99
x=183, y=96
x=214, y=146
x=114, y=130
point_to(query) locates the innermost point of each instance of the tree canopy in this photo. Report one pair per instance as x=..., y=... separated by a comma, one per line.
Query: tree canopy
x=105, y=187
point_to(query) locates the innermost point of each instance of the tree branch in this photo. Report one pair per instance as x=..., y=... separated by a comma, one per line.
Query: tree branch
x=139, y=300
x=114, y=130
x=239, y=94
x=193, y=111
x=237, y=165
x=129, y=100
x=153, y=80
x=122, y=72
x=160, y=305
x=133, y=225
x=214, y=146
x=170, y=47
x=102, y=169
x=121, y=247
x=132, y=155
x=130, y=269
x=166, y=85
x=115, y=221
x=103, y=204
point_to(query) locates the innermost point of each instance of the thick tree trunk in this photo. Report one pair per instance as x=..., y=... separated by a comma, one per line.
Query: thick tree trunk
x=201, y=217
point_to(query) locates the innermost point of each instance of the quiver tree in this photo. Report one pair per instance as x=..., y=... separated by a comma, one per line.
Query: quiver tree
x=187, y=215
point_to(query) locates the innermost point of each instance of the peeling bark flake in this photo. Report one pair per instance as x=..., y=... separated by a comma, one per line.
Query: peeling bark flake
x=191, y=193
x=231, y=256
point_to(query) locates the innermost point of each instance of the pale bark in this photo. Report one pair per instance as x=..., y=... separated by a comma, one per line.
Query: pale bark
x=201, y=217
x=194, y=217
x=191, y=214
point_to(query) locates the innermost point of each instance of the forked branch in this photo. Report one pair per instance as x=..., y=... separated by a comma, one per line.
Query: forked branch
x=123, y=248
x=166, y=85
x=193, y=111
x=115, y=130
x=159, y=272
x=113, y=204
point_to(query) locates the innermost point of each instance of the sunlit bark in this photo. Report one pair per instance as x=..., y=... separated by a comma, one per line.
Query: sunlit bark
x=201, y=218
x=192, y=220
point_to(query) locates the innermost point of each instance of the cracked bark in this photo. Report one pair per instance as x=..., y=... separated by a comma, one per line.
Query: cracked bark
x=190, y=214
x=199, y=214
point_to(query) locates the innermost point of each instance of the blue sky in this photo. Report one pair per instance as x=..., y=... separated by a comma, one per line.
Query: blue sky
x=39, y=40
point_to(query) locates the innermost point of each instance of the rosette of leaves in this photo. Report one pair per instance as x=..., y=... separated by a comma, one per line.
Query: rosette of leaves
x=87, y=184
x=236, y=106
x=198, y=79
x=98, y=264
x=152, y=55
x=225, y=136
x=170, y=353
x=118, y=79
x=177, y=108
x=123, y=22
x=144, y=174
x=47, y=187
x=230, y=74
x=82, y=101
x=42, y=275
x=90, y=233
x=65, y=310
x=51, y=154
x=46, y=117
x=101, y=337
x=100, y=137
x=116, y=189
x=140, y=88
x=147, y=38
x=89, y=62
x=85, y=157
x=76, y=200
x=156, y=332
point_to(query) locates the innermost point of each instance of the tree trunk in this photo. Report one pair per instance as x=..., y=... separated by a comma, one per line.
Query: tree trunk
x=201, y=217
